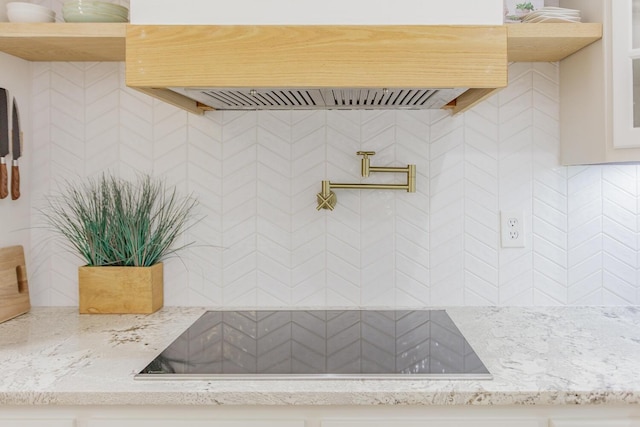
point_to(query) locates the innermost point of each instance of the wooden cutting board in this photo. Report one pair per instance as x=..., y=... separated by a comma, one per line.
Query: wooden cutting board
x=14, y=288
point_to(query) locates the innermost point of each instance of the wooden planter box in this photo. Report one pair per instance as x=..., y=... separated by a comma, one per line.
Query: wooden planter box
x=121, y=290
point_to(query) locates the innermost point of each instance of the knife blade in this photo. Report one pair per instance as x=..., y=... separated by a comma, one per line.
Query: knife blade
x=4, y=142
x=16, y=151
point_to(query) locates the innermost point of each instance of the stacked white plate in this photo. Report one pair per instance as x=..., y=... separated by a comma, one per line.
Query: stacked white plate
x=552, y=15
x=27, y=12
x=94, y=11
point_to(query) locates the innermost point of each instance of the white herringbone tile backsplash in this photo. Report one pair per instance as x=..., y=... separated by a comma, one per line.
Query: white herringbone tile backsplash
x=263, y=243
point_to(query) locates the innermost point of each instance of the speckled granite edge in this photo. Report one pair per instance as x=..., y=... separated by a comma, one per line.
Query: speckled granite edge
x=283, y=398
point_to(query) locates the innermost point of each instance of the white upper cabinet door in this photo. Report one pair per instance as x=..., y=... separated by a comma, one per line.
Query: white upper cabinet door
x=317, y=12
x=597, y=88
x=626, y=73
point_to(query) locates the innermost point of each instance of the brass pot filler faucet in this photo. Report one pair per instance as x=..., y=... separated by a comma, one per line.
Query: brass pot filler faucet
x=327, y=198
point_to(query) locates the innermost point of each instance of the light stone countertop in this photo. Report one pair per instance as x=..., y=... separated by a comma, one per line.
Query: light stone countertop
x=541, y=356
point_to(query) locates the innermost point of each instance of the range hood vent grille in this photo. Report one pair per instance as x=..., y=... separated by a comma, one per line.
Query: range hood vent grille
x=341, y=99
x=251, y=99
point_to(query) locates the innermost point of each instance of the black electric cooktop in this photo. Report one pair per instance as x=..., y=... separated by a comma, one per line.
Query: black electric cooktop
x=329, y=344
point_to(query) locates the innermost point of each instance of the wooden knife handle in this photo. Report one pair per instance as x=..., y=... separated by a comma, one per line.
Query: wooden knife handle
x=15, y=182
x=4, y=181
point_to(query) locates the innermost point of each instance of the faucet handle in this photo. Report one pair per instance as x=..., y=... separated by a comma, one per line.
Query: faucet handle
x=366, y=154
x=365, y=163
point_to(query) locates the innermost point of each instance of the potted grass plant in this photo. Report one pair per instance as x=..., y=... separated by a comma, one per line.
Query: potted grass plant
x=524, y=8
x=122, y=230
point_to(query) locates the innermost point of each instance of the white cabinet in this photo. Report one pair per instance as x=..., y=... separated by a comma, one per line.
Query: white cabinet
x=322, y=416
x=182, y=422
x=599, y=119
x=37, y=422
x=596, y=423
x=625, y=36
x=441, y=422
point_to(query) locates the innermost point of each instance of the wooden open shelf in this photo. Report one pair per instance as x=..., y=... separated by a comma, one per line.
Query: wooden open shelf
x=536, y=43
x=548, y=42
x=64, y=41
x=106, y=41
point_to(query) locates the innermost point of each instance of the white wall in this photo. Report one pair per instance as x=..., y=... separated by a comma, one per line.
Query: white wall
x=332, y=12
x=257, y=173
x=15, y=214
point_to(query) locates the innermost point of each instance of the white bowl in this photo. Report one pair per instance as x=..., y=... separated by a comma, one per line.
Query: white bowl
x=27, y=12
x=29, y=7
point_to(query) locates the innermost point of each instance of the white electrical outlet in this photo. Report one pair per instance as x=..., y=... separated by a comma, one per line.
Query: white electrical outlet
x=512, y=229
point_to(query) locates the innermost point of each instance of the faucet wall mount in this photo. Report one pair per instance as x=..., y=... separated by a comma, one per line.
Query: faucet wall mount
x=327, y=198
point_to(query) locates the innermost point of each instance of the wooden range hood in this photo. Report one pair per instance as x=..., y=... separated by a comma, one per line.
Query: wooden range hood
x=258, y=67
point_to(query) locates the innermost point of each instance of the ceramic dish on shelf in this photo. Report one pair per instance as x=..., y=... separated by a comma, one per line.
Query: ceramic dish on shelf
x=542, y=13
x=551, y=20
x=27, y=12
x=559, y=9
x=96, y=6
x=535, y=15
x=548, y=18
x=92, y=17
x=94, y=11
x=552, y=15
